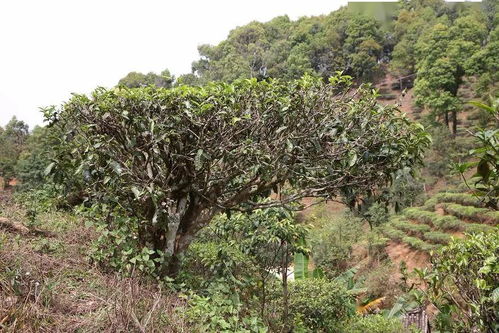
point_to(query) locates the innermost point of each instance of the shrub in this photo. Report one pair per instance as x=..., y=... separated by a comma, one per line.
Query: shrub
x=320, y=305
x=411, y=228
x=206, y=262
x=376, y=244
x=462, y=284
x=477, y=228
x=389, y=231
x=437, y=237
x=418, y=244
x=376, y=214
x=374, y=324
x=331, y=242
x=431, y=218
x=492, y=217
x=459, y=198
x=380, y=282
x=472, y=213
x=429, y=204
x=222, y=311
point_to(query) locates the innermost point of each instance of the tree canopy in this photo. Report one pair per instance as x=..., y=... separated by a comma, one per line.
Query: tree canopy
x=12, y=141
x=136, y=79
x=281, y=48
x=172, y=159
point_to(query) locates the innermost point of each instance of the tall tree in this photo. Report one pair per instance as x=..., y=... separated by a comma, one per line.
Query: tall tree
x=136, y=79
x=443, y=55
x=281, y=48
x=12, y=142
x=188, y=153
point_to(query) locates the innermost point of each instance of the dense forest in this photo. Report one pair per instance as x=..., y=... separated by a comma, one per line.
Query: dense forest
x=332, y=173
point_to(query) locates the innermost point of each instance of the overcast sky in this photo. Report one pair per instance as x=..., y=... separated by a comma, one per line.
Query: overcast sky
x=49, y=48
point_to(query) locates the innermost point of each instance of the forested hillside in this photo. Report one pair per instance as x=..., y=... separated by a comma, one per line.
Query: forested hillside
x=332, y=173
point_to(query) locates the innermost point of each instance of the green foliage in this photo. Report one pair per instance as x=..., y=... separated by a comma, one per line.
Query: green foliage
x=222, y=311
x=376, y=214
x=445, y=150
x=392, y=233
x=418, y=244
x=477, y=227
x=319, y=305
x=487, y=167
x=436, y=237
x=410, y=228
x=484, y=62
x=245, y=253
x=440, y=222
x=301, y=266
x=117, y=246
x=281, y=48
x=472, y=213
x=12, y=143
x=136, y=80
x=209, y=262
x=410, y=25
x=462, y=284
x=406, y=189
x=374, y=324
x=376, y=244
x=242, y=248
x=465, y=199
x=429, y=204
x=438, y=48
x=33, y=161
x=331, y=242
x=177, y=159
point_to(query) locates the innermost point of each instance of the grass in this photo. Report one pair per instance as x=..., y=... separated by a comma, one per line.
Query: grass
x=472, y=213
x=47, y=283
x=447, y=223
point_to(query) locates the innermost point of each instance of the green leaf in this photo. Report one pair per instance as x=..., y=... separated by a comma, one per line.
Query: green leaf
x=136, y=192
x=495, y=295
x=149, y=171
x=301, y=266
x=198, y=163
x=49, y=168
x=353, y=159
x=116, y=167
x=318, y=273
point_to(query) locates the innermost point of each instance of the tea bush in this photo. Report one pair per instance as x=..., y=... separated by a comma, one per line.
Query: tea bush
x=436, y=237
x=320, y=305
x=374, y=324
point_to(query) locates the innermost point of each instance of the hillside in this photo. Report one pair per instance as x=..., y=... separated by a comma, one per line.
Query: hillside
x=419, y=230
x=48, y=284
x=336, y=173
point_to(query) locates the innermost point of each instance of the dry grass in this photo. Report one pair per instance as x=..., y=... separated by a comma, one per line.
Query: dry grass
x=47, y=283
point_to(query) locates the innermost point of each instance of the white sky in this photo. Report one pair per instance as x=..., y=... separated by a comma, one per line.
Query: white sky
x=51, y=48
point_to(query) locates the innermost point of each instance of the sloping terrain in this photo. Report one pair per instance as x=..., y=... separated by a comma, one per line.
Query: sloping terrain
x=419, y=230
x=47, y=283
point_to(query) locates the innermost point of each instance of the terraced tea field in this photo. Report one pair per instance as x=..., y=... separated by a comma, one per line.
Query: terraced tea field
x=443, y=216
